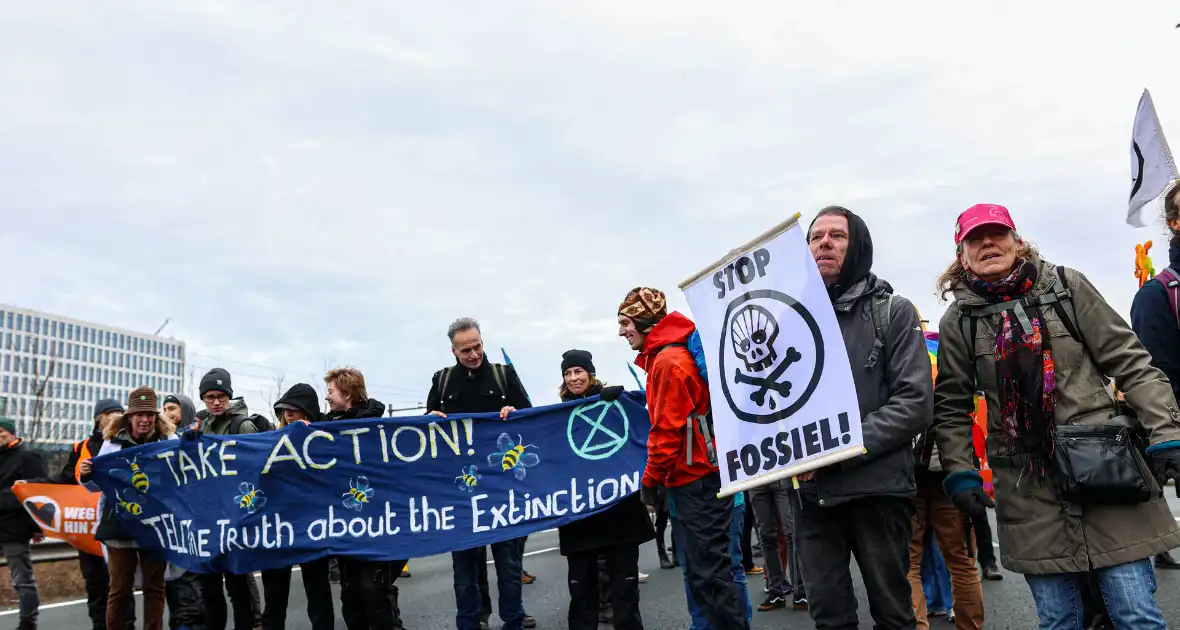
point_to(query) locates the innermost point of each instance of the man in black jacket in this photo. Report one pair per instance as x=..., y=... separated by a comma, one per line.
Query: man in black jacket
x=17, y=528
x=368, y=596
x=94, y=568
x=862, y=507
x=473, y=385
x=227, y=416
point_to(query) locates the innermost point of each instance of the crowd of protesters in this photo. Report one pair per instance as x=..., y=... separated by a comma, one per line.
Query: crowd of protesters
x=1055, y=367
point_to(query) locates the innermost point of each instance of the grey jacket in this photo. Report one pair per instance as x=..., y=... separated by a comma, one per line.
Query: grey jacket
x=896, y=399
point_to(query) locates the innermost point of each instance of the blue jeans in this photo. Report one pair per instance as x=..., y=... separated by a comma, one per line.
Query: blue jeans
x=1128, y=590
x=936, y=581
x=739, y=573
x=465, y=564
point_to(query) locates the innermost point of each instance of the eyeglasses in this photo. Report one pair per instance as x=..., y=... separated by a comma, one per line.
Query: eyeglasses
x=212, y=398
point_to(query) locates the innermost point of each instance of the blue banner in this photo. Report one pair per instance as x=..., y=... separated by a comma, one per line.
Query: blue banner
x=380, y=489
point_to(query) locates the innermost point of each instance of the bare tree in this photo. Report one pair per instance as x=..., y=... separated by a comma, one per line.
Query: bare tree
x=42, y=367
x=276, y=392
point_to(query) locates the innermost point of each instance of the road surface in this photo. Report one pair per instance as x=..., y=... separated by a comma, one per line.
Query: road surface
x=427, y=599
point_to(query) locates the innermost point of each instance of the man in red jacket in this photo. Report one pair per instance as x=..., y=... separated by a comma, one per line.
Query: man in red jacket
x=677, y=457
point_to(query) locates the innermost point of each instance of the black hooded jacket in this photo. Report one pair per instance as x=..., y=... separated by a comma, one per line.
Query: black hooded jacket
x=17, y=462
x=858, y=259
x=301, y=397
x=626, y=523
x=369, y=408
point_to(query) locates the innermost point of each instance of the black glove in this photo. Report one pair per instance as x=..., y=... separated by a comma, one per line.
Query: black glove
x=1166, y=465
x=973, y=501
x=611, y=394
x=648, y=495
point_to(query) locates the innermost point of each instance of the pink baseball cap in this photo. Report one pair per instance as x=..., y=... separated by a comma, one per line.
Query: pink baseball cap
x=979, y=215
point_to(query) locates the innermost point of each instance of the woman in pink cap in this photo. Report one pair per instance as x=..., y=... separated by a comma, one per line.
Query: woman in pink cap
x=1040, y=342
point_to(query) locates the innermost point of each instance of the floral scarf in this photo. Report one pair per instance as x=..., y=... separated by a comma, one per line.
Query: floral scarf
x=1025, y=371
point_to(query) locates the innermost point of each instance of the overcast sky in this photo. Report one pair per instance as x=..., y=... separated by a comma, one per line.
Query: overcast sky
x=303, y=184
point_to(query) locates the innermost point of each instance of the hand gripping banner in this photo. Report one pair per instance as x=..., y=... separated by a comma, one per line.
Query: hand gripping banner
x=780, y=385
x=380, y=489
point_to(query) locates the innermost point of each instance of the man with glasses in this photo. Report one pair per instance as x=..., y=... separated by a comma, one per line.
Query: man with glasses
x=226, y=418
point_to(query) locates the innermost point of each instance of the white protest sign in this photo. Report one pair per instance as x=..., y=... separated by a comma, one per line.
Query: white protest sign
x=1153, y=168
x=780, y=385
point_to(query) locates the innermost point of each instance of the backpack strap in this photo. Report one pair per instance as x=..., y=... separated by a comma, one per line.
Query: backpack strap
x=442, y=387
x=882, y=313
x=498, y=376
x=1171, y=281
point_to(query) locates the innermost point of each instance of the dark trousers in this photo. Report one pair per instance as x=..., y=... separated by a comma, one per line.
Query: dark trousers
x=877, y=532
x=747, y=536
x=985, y=551
x=622, y=565
x=774, y=511
x=368, y=596
x=485, y=595
x=214, y=587
x=702, y=524
x=98, y=586
x=465, y=565
x=186, y=609
x=662, y=526
x=276, y=590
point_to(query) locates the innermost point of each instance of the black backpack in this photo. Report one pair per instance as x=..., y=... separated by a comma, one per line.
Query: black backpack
x=261, y=422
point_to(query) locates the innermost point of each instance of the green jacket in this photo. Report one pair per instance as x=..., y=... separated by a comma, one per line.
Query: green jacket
x=1036, y=534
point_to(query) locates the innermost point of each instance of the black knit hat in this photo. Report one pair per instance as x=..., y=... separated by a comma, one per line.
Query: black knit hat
x=217, y=380
x=577, y=358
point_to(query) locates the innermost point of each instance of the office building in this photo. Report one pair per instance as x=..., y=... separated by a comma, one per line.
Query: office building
x=62, y=366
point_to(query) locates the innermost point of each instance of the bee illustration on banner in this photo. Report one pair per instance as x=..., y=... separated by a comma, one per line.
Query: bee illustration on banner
x=469, y=479
x=512, y=456
x=250, y=498
x=139, y=479
x=131, y=507
x=359, y=493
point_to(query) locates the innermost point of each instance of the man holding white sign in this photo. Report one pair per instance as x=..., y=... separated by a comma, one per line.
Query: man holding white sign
x=862, y=507
x=817, y=370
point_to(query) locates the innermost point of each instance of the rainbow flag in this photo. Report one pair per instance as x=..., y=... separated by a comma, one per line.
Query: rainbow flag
x=932, y=350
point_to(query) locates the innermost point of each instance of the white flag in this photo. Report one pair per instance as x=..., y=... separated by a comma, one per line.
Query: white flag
x=780, y=385
x=1152, y=167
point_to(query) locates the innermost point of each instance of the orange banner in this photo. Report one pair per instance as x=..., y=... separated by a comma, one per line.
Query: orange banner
x=64, y=512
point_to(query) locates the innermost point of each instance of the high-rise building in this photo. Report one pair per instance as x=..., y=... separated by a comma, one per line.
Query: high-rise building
x=53, y=369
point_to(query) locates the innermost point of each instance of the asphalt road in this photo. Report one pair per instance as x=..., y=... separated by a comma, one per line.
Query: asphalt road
x=427, y=598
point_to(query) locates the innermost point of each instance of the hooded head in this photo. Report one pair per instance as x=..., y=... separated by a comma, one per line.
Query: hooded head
x=179, y=410
x=842, y=248
x=300, y=399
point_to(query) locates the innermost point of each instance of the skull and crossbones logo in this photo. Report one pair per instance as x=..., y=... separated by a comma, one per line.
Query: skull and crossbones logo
x=753, y=331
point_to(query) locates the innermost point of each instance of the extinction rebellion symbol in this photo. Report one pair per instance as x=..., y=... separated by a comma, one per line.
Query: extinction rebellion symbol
x=772, y=356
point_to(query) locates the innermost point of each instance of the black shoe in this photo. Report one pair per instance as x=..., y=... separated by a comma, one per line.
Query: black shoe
x=1166, y=561
x=992, y=573
x=799, y=603
x=528, y=622
x=774, y=601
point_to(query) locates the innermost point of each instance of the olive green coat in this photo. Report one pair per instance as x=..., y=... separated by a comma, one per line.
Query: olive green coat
x=1036, y=533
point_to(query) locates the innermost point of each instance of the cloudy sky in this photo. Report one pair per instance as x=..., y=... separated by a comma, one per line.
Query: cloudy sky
x=304, y=184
